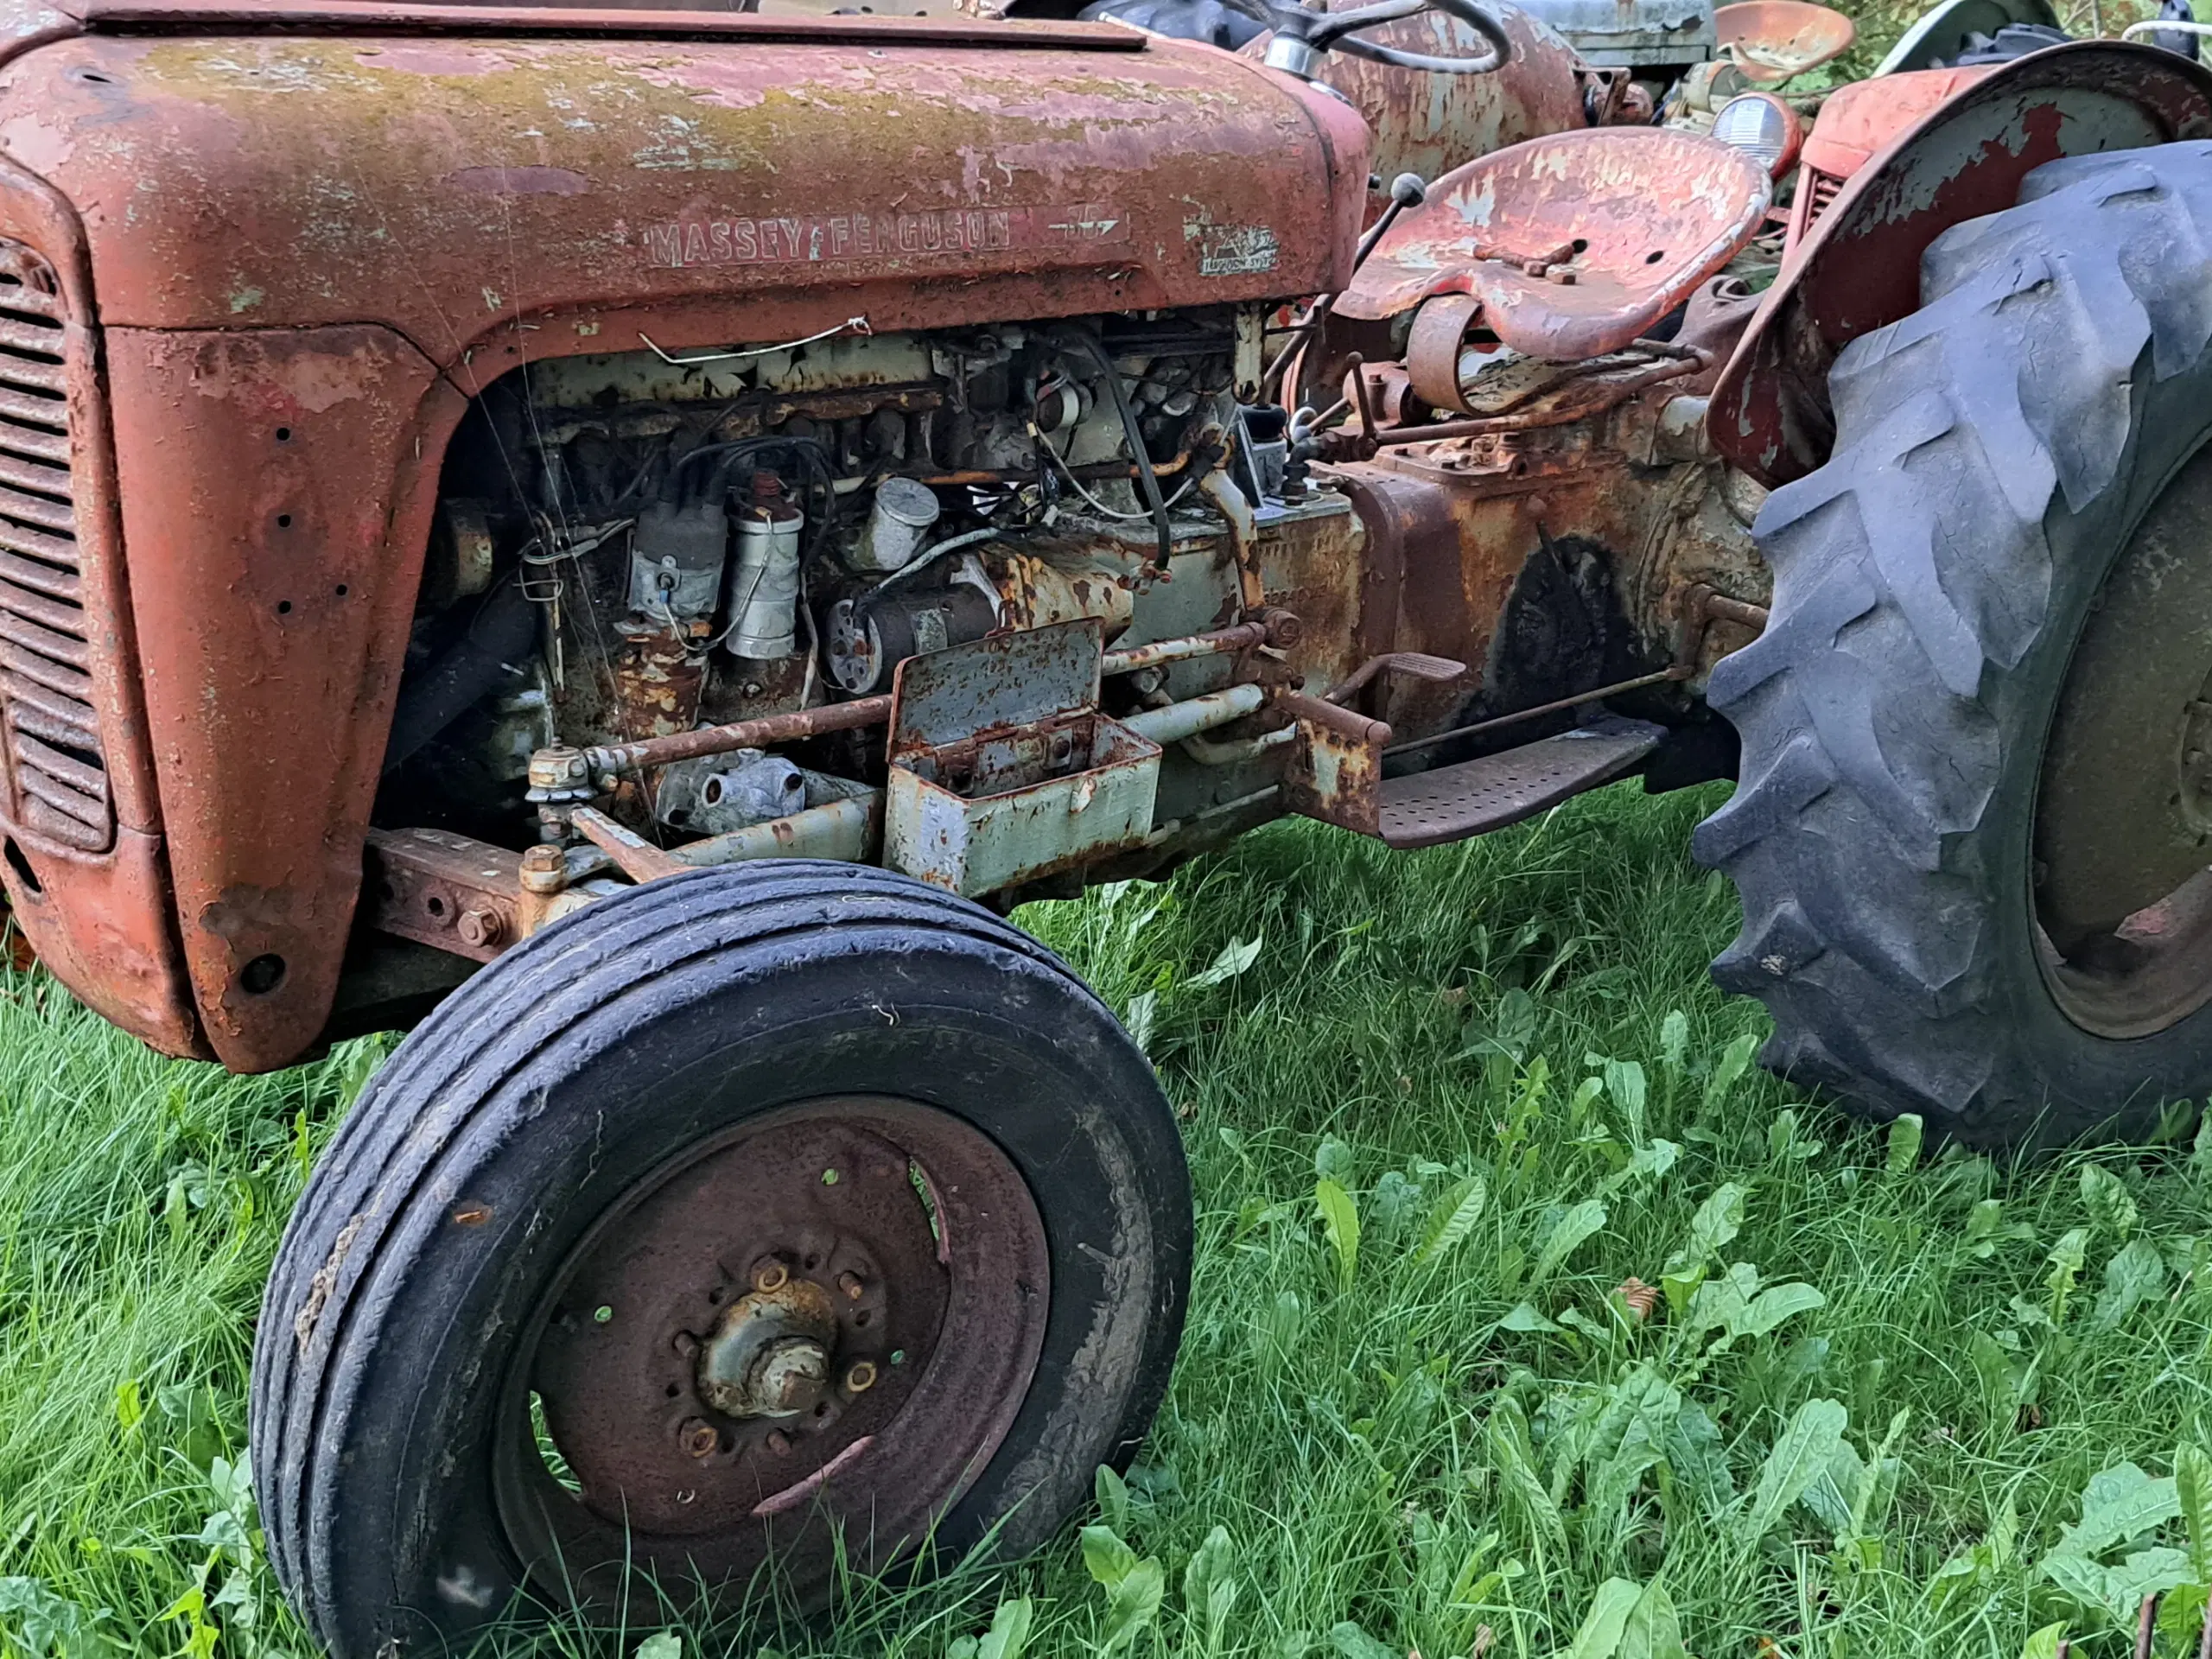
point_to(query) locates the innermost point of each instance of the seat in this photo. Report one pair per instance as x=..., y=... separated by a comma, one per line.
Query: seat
x=1772, y=39
x=1574, y=245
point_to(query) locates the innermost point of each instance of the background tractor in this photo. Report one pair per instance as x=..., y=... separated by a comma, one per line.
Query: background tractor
x=626, y=541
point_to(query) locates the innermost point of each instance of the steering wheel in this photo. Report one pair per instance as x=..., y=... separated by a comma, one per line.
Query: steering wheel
x=1302, y=38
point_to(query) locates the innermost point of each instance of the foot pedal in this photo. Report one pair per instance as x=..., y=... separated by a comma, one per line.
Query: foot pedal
x=1427, y=809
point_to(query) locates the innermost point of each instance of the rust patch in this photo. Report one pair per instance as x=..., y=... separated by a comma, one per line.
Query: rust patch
x=1858, y=269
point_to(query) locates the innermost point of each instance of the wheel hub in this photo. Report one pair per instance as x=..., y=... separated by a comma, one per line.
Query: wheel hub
x=832, y=1312
x=2123, y=832
x=769, y=1356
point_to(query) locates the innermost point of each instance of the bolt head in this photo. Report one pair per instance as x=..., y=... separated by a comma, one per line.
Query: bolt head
x=792, y=1376
x=861, y=1379
x=480, y=928
x=699, y=1437
x=544, y=868
x=770, y=1275
x=851, y=1285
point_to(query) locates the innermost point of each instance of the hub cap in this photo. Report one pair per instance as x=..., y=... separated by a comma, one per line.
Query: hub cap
x=827, y=1318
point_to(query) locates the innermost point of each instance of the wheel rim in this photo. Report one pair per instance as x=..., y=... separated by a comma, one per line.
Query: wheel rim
x=2123, y=811
x=794, y=1344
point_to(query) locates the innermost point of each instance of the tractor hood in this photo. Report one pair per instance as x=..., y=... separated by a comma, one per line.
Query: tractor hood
x=451, y=171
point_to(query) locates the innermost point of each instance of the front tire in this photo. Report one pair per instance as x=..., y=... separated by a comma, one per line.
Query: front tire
x=1955, y=725
x=747, y=1218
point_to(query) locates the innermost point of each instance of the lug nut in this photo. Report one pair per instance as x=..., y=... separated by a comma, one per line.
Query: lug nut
x=480, y=928
x=861, y=1379
x=850, y=1284
x=685, y=1344
x=699, y=1437
x=770, y=1275
x=777, y=1441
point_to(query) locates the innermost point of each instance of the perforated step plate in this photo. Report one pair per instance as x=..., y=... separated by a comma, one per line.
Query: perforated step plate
x=1452, y=803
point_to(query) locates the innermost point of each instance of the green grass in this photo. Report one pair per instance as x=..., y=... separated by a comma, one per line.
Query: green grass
x=1403, y=1445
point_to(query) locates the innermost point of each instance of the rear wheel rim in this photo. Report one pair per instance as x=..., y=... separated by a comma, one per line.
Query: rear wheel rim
x=794, y=1344
x=2123, y=838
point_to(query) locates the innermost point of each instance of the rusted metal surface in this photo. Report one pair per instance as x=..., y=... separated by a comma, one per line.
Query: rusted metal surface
x=859, y=713
x=1002, y=769
x=285, y=602
x=658, y=674
x=1037, y=586
x=634, y=855
x=1433, y=345
x=1281, y=629
x=1857, y=123
x=722, y=192
x=444, y=889
x=1426, y=123
x=1426, y=585
x=275, y=491
x=101, y=922
x=849, y=830
x=216, y=16
x=896, y=1242
x=56, y=772
x=1858, y=269
x=1573, y=245
x=1173, y=722
x=1578, y=398
x=1426, y=809
x=1416, y=664
x=1335, y=775
x=2123, y=815
x=1633, y=34
x=1772, y=39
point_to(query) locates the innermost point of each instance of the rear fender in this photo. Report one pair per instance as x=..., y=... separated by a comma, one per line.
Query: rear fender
x=1859, y=270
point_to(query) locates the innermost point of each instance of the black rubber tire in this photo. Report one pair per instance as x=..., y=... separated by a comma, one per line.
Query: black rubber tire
x=674, y=1011
x=1994, y=452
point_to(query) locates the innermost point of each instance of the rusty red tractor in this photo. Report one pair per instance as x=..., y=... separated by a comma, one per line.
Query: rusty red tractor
x=626, y=540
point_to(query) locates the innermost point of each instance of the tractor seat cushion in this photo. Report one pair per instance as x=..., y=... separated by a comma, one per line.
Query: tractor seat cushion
x=1637, y=216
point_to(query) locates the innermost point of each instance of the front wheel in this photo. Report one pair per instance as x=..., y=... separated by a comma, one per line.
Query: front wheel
x=1975, y=816
x=747, y=1226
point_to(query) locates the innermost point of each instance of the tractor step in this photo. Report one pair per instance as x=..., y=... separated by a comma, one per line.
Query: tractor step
x=1426, y=809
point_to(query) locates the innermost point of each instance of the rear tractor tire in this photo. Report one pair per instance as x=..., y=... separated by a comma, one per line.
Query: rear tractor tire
x=1975, y=812
x=747, y=1226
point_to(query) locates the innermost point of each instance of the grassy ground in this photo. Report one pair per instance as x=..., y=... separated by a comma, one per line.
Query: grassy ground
x=1503, y=1064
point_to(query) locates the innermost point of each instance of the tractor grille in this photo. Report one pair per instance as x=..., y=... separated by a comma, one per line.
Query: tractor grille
x=1825, y=188
x=54, y=763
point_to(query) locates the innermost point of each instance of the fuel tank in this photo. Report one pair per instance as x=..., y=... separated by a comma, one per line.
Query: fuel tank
x=252, y=166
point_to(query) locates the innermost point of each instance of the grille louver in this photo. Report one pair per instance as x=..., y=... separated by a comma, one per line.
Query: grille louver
x=1825, y=190
x=55, y=762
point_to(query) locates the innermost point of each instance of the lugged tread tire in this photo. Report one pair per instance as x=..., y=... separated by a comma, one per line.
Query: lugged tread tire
x=1993, y=452
x=791, y=953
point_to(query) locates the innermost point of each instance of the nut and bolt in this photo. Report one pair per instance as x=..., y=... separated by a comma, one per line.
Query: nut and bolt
x=544, y=869
x=556, y=767
x=770, y=1275
x=777, y=1441
x=861, y=1379
x=685, y=1344
x=851, y=1285
x=791, y=1376
x=699, y=1437
x=480, y=928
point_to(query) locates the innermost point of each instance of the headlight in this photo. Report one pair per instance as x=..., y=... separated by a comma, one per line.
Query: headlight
x=1764, y=127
